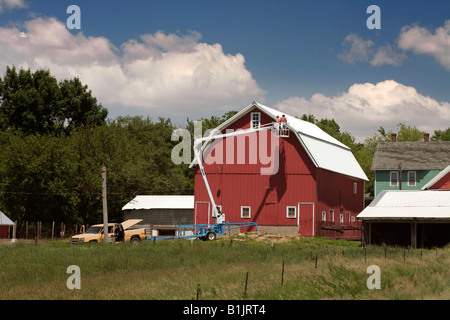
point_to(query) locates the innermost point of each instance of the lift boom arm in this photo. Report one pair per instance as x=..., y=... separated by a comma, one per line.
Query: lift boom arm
x=220, y=217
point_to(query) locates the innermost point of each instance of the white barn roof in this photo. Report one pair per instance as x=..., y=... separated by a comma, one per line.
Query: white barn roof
x=160, y=202
x=325, y=151
x=4, y=220
x=409, y=205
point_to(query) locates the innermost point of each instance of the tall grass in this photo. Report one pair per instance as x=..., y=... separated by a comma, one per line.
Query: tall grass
x=217, y=270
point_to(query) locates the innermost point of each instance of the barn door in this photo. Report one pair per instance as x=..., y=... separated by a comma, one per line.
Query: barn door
x=306, y=218
x=202, y=212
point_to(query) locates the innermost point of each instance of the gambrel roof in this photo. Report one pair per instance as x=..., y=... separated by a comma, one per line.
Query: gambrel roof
x=324, y=151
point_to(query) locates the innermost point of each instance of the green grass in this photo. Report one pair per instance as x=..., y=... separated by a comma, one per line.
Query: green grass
x=217, y=270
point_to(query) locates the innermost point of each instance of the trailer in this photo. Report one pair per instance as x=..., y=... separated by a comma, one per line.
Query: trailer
x=205, y=231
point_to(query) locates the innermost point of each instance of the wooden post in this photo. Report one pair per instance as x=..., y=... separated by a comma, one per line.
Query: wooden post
x=105, y=206
x=246, y=282
x=26, y=229
x=414, y=235
x=14, y=240
x=315, y=267
x=282, y=273
x=53, y=229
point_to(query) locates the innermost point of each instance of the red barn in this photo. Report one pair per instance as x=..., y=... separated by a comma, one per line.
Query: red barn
x=305, y=184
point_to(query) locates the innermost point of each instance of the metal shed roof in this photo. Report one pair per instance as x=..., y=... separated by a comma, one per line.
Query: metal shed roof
x=325, y=151
x=160, y=202
x=4, y=220
x=409, y=205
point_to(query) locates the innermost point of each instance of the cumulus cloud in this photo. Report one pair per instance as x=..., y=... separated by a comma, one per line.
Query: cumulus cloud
x=357, y=49
x=366, y=106
x=422, y=41
x=173, y=72
x=11, y=4
x=387, y=55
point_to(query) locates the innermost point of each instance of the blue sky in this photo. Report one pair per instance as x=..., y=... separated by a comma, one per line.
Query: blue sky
x=194, y=59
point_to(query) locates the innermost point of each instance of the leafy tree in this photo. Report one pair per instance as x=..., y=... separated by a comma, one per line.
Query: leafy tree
x=441, y=135
x=35, y=103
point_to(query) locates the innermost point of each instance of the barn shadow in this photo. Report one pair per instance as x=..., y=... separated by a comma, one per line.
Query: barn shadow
x=277, y=183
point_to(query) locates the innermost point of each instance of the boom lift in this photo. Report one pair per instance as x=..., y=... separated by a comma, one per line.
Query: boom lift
x=209, y=231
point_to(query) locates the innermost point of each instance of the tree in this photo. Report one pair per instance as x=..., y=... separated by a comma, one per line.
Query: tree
x=441, y=135
x=36, y=103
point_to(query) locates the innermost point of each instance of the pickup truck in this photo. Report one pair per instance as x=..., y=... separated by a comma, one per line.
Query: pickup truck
x=120, y=232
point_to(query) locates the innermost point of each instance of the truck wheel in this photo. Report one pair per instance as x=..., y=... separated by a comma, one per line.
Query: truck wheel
x=211, y=236
x=135, y=240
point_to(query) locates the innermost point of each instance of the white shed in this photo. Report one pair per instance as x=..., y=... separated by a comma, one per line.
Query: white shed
x=416, y=218
x=161, y=215
x=5, y=224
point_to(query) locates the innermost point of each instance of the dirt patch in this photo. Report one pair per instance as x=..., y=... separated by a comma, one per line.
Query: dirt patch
x=266, y=237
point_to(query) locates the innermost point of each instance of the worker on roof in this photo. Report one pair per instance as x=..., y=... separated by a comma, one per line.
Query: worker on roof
x=276, y=125
x=283, y=121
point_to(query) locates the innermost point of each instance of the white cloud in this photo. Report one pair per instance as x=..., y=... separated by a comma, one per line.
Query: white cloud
x=12, y=4
x=365, y=107
x=387, y=55
x=422, y=41
x=355, y=49
x=176, y=73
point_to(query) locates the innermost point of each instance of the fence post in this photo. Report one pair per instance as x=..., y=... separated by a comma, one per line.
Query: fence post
x=246, y=282
x=53, y=229
x=282, y=273
x=14, y=240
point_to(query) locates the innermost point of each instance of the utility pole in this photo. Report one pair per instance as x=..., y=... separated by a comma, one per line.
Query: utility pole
x=105, y=207
x=400, y=169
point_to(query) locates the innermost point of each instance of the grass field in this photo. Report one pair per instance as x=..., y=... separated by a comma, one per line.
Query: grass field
x=218, y=270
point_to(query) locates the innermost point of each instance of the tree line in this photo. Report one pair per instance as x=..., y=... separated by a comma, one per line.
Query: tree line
x=55, y=137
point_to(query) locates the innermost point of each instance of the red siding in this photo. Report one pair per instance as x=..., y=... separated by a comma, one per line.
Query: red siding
x=336, y=195
x=4, y=231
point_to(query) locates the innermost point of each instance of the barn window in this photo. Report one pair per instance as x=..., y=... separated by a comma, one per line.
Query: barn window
x=332, y=215
x=324, y=216
x=245, y=212
x=291, y=212
x=355, y=188
x=394, y=179
x=411, y=178
x=347, y=214
x=255, y=120
x=341, y=218
x=353, y=219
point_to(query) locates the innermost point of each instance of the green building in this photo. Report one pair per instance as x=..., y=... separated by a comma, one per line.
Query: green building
x=401, y=165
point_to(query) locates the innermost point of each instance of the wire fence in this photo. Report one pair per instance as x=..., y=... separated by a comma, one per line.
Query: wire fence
x=45, y=230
